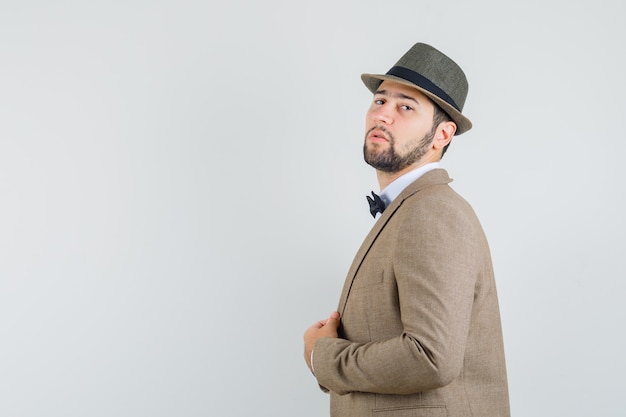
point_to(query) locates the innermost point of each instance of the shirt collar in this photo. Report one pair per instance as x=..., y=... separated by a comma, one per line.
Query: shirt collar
x=390, y=192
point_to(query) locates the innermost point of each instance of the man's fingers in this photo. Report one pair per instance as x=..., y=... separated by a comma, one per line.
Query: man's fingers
x=333, y=320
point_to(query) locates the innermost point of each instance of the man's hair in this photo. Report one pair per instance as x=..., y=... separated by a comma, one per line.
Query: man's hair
x=440, y=116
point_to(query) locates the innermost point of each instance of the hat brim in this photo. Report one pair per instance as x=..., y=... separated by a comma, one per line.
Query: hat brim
x=373, y=81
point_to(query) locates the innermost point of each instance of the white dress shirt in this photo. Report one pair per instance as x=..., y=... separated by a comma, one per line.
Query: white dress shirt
x=390, y=192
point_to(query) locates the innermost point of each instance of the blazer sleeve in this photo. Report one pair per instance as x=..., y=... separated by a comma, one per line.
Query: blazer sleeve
x=435, y=268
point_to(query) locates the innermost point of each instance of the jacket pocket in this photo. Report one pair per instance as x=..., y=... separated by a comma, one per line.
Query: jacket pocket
x=364, y=280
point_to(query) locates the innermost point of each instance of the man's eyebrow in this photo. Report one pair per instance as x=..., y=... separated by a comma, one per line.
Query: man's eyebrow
x=396, y=95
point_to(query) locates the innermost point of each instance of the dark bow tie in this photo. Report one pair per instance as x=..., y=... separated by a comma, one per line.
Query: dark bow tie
x=377, y=205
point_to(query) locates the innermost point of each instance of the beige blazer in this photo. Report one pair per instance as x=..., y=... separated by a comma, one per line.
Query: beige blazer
x=420, y=330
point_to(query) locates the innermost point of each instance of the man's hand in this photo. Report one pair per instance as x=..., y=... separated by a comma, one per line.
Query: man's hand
x=323, y=328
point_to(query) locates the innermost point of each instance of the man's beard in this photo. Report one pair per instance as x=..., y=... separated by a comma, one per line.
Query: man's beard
x=389, y=160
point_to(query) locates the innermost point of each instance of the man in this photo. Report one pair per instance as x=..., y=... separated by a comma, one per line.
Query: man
x=417, y=331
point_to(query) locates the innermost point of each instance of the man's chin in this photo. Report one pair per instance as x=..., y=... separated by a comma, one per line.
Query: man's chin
x=384, y=166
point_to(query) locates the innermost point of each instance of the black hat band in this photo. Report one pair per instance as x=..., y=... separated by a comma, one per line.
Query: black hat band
x=422, y=82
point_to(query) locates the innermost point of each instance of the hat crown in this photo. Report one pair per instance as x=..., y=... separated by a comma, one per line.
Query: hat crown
x=438, y=69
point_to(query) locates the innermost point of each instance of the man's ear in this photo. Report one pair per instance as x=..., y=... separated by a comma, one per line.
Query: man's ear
x=445, y=133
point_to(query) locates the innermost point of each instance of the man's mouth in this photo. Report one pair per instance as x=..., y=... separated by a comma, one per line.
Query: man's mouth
x=378, y=135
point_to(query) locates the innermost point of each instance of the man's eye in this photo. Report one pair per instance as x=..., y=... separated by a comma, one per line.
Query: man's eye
x=406, y=107
x=379, y=102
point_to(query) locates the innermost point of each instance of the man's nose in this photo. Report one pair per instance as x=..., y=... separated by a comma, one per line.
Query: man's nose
x=383, y=114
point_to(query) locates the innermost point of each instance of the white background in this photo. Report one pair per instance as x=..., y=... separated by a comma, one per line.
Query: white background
x=182, y=192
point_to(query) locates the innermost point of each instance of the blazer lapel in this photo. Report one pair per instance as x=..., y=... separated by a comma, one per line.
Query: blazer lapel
x=434, y=177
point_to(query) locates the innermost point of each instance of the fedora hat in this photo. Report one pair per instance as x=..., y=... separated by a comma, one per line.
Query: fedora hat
x=434, y=74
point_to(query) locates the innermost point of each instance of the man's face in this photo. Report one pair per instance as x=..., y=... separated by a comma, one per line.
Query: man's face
x=398, y=128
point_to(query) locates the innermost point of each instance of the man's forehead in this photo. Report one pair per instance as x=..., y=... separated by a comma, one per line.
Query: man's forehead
x=391, y=88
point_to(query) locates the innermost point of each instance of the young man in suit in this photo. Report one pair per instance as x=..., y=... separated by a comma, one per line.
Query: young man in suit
x=417, y=331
